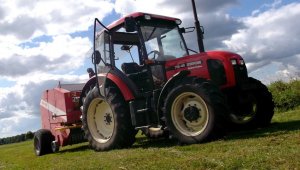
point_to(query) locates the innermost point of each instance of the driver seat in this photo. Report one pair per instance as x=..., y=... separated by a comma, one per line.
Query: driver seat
x=138, y=75
x=129, y=68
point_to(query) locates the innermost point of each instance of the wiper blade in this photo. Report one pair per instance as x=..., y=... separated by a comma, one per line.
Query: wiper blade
x=151, y=33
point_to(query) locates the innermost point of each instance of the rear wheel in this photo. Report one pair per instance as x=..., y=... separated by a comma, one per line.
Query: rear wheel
x=194, y=112
x=106, y=122
x=42, y=142
x=258, y=109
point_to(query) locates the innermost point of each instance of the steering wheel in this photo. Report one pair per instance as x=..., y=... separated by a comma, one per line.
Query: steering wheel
x=154, y=52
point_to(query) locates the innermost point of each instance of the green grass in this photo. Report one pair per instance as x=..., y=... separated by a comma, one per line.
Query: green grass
x=275, y=147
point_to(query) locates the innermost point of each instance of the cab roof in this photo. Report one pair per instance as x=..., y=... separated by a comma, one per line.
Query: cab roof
x=139, y=14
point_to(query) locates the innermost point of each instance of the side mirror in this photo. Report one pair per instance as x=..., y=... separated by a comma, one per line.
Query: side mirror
x=96, y=58
x=130, y=24
x=187, y=30
x=182, y=30
x=202, y=29
x=125, y=47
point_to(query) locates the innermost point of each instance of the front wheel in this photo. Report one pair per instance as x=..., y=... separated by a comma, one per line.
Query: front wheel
x=106, y=121
x=252, y=109
x=194, y=112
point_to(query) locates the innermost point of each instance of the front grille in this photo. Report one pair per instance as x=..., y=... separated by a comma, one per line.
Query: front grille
x=216, y=71
x=240, y=72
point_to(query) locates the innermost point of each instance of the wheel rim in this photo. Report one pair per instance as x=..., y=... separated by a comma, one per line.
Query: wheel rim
x=189, y=114
x=100, y=120
x=37, y=145
x=248, y=115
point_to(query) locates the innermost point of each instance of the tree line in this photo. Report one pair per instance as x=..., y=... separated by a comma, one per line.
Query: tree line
x=18, y=138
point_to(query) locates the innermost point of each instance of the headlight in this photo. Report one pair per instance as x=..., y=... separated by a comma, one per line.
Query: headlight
x=242, y=62
x=233, y=61
x=178, y=21
x=147, y=17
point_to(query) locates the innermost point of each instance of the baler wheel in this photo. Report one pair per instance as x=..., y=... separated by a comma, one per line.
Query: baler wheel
x=42, y=142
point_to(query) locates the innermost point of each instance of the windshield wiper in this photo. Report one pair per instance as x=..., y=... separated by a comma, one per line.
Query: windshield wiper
x=151, y=33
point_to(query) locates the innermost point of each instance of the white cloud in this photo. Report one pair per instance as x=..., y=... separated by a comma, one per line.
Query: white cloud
x=62, y=54
x=270, y=36
x=38, y=65
x=29, y=19
x=20, y=109
x=18, y=124
x=217, y=23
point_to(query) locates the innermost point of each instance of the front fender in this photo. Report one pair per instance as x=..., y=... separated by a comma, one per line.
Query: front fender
x=170, y=83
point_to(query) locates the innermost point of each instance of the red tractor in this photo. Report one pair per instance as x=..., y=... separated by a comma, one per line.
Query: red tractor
x=147, y=79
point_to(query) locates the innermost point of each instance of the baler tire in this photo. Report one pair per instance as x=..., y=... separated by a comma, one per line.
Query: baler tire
x=264, y=109
x=42, y=142
x=210, y=104
x=113, y=131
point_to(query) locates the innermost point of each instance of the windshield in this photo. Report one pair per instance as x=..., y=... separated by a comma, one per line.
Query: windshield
x=163, y=43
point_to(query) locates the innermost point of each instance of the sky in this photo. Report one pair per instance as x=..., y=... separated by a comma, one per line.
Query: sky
x=43, y=42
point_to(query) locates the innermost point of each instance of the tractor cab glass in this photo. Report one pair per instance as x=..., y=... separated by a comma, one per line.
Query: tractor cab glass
x=163, y=41
x=102, y=46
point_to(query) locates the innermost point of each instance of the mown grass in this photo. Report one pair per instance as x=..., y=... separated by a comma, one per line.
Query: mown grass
x=275, y=147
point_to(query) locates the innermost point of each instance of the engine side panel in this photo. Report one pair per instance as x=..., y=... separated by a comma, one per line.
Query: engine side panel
x=212, y=65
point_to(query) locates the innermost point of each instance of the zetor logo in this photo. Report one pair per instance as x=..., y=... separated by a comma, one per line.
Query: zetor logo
x=191, y=65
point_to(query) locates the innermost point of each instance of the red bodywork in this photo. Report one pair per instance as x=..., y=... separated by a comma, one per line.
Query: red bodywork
x=200, y=69
x=60, y=112
x=136, y=15
x=195, y=63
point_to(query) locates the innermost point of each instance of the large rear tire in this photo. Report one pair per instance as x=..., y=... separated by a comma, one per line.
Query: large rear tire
x=106, y=122
x=195, y=112
x=256, y=112
x=42, y=142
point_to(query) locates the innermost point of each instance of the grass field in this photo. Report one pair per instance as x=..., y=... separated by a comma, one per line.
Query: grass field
x=275, y=147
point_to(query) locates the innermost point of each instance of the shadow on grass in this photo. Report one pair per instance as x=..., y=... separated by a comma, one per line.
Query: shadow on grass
x=274, y=129
x=75, y=149
x=143, y=142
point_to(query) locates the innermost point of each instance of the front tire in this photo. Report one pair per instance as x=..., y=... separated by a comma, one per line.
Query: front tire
x=255, y=113
x=194, y=112
x=106, y=122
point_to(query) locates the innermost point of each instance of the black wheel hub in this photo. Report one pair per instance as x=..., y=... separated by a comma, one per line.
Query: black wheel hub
x=192, y=113
x=108, y=118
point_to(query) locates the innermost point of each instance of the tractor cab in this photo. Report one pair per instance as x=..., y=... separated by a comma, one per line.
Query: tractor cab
x=137, y=47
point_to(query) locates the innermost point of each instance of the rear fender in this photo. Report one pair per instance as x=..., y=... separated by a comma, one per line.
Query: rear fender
x=119, y=80
x=91, y=83
x=122, y=86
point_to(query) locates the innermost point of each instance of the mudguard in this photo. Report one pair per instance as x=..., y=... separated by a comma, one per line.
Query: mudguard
x=90, y=83
x=178, y=76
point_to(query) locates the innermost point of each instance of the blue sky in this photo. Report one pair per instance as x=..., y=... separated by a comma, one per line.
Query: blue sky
x=43, y=42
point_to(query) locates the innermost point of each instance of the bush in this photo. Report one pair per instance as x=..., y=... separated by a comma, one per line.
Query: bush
x=286, y=96
x=29, y=135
